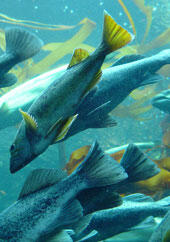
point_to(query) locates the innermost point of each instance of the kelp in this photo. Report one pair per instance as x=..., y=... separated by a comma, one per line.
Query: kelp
x=76, y=158
x=57, y=51
x=33, y=24
x=147, y=10
x=141, y=47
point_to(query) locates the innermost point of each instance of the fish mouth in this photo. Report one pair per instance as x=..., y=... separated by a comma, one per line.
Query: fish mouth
x=16, y=163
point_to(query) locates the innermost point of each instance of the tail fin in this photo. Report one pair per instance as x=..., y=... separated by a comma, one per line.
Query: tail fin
x=7, y=80
x=114, y=36
x=99, y=169
x=137, y=165
x=22, y=43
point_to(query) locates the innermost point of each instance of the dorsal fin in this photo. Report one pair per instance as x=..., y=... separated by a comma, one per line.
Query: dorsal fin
x=78, y=56
x=39, y=179
x=30, y=121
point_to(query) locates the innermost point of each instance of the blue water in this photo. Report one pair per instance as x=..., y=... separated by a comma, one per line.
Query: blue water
x=128, y=130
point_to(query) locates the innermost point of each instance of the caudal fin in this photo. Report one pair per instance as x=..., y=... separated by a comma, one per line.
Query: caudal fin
x=21, y=43
x=137, y=165
x=99, y=169
x=114, y=36
x=7, y=80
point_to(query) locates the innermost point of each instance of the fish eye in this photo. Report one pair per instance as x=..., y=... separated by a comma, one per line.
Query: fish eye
x=12, y=147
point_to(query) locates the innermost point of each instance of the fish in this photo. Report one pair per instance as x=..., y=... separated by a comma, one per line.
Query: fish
x=162, y=231
x=23, y=95
x=48, y=200
x=20, y=45
x=162, y=101
x=135, y=209
x=125, y=75
x=51, y=115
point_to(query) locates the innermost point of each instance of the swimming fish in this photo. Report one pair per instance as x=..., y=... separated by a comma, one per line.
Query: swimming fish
x=51, y=115
x=20, y=45
x=135, y=208
x=112, y=80
x=162, y=101
x=118, y=81
x=48, y=200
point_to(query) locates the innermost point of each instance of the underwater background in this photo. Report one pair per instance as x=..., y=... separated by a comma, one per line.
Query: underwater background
x=137, y=121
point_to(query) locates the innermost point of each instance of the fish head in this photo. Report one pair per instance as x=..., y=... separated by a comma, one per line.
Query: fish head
x=162, y=101
x=22, y=150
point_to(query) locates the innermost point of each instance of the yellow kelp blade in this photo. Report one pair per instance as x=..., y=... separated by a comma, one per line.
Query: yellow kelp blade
x=2, y=40
x=165, y=70
x=131, y=112
x=29, y=68
x=128, y=15
x=160, y=41
x=128, y=50
x=32, y=24
x=144, y=94
x=158, y=183
x=76, y=158
x=65, y=48
x=166, y=138
x=147, y=10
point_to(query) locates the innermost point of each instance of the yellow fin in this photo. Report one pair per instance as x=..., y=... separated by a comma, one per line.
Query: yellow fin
x=94, y=81
x=30, y=121
x=65, y=128
x=78, y=56
x=114, y=36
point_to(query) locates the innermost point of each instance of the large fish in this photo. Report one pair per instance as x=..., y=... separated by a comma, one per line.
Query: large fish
x=141, y=71
x=135, y=209
x=118, y=81
x=20, y=45
x=50, y=116
x=48, y=203
x=162, y=101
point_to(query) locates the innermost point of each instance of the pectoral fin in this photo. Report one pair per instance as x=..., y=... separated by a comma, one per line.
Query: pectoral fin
x=65, y=128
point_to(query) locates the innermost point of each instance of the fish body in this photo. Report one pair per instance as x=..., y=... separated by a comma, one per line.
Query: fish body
x=20, y=45
x=135, y=209
x=127, y=74
x=112, y=80
x=47, y=202
x=49, y=117
x=162, y=101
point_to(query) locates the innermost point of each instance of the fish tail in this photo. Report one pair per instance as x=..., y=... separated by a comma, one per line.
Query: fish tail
x=114, y=36
x=99, y=169
x=21, y=43
x=137, y=165
x=7, y=80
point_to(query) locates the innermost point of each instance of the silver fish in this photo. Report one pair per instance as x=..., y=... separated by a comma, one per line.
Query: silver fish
x=47, y=202
x=51, y=115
